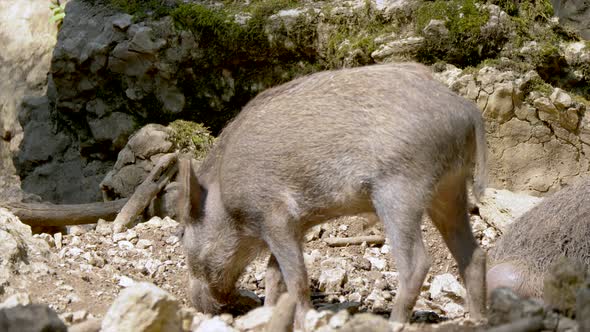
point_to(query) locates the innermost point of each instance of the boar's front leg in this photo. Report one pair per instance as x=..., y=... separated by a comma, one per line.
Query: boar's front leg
x=274, y=284
x=284, y=242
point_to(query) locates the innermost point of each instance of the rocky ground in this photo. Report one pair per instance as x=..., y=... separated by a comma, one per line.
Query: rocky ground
x=82, y=274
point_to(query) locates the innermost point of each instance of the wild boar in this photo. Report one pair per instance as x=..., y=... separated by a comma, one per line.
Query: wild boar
x=558, y=226
x=385, y=139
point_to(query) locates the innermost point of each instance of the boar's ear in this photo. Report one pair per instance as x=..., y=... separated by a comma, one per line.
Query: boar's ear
x=189, y=196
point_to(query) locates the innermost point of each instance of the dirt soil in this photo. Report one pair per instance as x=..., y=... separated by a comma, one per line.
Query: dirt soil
x=90, y=267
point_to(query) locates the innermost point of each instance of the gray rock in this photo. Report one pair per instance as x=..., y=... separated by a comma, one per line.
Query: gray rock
x=574, y=13
x=143, y=307
x=30, y=318
x=505, y=307
x=561, y=283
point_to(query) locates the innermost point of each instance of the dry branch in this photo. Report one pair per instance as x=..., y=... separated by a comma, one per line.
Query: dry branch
x=160, y=175
x=345, y=241
x=37, y=214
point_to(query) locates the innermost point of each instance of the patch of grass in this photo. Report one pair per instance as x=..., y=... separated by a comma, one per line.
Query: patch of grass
x=465, y=44
x=191, y=136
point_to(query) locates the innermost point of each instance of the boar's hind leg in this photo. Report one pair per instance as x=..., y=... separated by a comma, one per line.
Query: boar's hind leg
x=273, y=283
x=400, y=206
x=448, y=212
x=285, y=245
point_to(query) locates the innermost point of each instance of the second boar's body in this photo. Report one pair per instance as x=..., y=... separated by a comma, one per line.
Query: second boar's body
x=384, y=138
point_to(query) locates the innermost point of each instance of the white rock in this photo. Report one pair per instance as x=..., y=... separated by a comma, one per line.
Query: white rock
x=119, y=237
x=377, y=300
x=143, y=244
x=125, y=281
x=339, y=319
x=130, y=235
x=500, y=208
x=16, y=299
x=316, y=319
x=331, y=280
x=214, y=324
x=125, y=245
x=173, y=239
x=446, y=285
x=453, y=310
x=377, y=263
x=57, y=237
x=143, y=307
x=254, y=319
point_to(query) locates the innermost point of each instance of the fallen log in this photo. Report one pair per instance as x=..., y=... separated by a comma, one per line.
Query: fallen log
x=38, y=214
x=345, y=241
x=160, y=175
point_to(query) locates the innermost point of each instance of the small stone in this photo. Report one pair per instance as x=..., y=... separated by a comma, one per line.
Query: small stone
x=561, y=99
x=143, y=244
x=446, y=285
x=314, y=233
x=254, y=319
x=76, y=230
x=316, y=319
x=331, y=280
x=78, y=316
x=453, y=310
x=130, y=235
x=339, y=319
x=103, y=227
x=125, y=281
x=57, y=237
x=125, y=245
x=379, y=264
x=173, y=239
x=214, y=324
x=378, y=302
x=31, y=317
x=355, y=297
x=119, y=237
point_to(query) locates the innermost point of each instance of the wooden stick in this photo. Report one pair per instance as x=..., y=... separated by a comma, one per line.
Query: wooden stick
x=146, y=191
x=345, y=241
x=37, y=214
x=527, y=324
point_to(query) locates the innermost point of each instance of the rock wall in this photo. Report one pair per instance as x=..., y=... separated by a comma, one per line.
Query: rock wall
x=27, y=38
x=539, y=140
x=114, y=70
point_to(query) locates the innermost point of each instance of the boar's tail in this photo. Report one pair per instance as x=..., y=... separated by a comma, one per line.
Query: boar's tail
x=480, y=174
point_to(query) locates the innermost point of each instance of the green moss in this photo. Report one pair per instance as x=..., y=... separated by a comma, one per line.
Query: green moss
x=191, y=136
x=538, y=84
x=465, y=45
